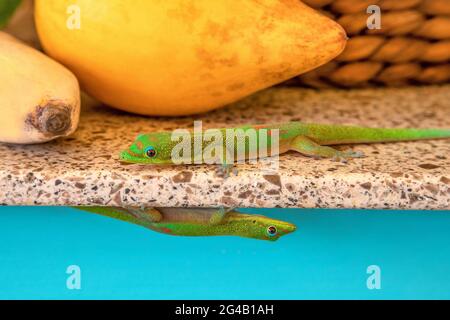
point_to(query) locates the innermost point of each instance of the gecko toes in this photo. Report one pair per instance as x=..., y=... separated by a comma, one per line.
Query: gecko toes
x=347, y=155
x=225, y=171
x=357, y=154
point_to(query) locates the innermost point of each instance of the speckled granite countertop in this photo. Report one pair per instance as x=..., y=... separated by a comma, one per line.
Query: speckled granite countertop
x=83, y=169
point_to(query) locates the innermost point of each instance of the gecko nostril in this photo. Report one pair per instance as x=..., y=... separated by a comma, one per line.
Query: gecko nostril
x=139, y=145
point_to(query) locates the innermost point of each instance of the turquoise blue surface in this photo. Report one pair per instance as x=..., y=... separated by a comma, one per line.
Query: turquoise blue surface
x=327, y=258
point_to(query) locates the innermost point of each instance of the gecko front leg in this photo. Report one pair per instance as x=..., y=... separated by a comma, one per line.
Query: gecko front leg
x=224, y=159
x=308, y=147
x=225, y=170
x=219, y=216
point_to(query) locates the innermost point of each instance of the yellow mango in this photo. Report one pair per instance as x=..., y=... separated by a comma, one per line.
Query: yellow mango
x=179, y=57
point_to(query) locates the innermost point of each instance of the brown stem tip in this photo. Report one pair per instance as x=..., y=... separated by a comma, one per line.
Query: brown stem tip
x=52, y=119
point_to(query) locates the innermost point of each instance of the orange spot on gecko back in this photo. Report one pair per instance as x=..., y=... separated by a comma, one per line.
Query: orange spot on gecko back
x=153, y=138
x=259, y=126
x=166, y=230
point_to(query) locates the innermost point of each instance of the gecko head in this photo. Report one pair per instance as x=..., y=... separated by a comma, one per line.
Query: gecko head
x=153, y=148
x=263, y=228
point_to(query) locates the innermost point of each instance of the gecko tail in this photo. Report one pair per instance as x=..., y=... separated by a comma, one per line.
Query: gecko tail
x=410, y=134
x=331, y=135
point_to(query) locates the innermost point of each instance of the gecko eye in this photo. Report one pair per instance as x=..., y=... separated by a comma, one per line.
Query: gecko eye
x=272, y=231
x=150, y=152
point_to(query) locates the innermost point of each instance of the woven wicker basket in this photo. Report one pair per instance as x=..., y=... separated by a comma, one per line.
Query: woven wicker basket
x=412, y=46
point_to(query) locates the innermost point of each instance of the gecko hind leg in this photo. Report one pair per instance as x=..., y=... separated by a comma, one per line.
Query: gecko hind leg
x=310, y=148
x=148, y=214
